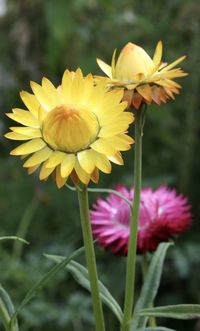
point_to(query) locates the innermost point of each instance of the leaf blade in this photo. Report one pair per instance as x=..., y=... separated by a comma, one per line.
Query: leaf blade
x=182, y=311
x=7, y=310
x=43, y=281
x=14, y=238
x=150, y=286
x=80, y=273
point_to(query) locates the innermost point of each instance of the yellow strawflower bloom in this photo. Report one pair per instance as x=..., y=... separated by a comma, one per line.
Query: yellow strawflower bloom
x=145, y=80
x=73, y=130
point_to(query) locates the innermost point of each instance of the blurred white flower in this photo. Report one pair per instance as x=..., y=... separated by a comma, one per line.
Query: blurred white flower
x=3, y=7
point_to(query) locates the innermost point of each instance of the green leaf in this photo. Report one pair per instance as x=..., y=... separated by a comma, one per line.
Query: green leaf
x=156, y=328
x=80, y=273
x=7, y=310
x=24, y=224
x=14, y=238
x=183, y=312
x=44, y=280
x=150, y=286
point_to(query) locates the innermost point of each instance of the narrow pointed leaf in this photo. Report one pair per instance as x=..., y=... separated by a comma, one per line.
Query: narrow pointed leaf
x=150, y=286
x=45, y=279
x=184, y=311
x=14, y=238
x=80, y=274
x=7, y=310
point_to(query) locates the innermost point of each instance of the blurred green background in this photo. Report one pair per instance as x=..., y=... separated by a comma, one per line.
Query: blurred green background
x=42, y=38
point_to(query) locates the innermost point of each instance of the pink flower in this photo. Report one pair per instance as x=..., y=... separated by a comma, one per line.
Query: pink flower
x=163, y=214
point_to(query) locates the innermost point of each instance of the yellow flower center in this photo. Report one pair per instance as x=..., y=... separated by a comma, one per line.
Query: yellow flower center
x=69, y=128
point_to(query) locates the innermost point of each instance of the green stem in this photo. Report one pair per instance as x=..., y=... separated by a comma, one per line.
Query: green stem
x=144, y=267
x=90, y=257
x=108, y=190
x=103, y=190
x=132, y=245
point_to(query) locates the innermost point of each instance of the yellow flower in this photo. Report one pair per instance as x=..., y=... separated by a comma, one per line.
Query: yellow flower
x=144, y=80
x=73, y=130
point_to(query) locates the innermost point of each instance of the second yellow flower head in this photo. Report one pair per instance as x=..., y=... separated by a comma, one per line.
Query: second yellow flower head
x=144, y=79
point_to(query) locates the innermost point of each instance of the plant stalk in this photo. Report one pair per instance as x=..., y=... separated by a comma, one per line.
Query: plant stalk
x=132, y=245
x=90, y=257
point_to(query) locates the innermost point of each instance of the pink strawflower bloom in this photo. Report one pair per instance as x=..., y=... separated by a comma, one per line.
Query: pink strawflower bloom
x=163, y=214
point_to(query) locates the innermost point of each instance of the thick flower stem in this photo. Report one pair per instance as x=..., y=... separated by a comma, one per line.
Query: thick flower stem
x=132, y=245
x=90, y=257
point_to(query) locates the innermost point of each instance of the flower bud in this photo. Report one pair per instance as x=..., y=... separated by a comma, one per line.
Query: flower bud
x=133, y=60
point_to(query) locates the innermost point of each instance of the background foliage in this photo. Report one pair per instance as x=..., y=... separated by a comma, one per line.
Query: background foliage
x=41, y=38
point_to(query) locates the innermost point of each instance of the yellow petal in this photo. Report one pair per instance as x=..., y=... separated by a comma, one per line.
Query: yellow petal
x=55, y=159
x=41, y=115
x=82, y=175
x=47, y=101
x=87, y=90
x=77, y=86
x=127, y=138
x=51, y=90
x=105, y=67
x=67, y=85
x=113, y=98
x=16, y=136
x=45, y=172
x=60, y=181
x=168, y=83
x=158, y=53
x=119, y=125
x=29, y=132
x=173, y=64
x=174, y=73
x=98, y=94
x=149, y=78
x=31, y=170
x=113, y=66
x=30, y=102
x=23, y=117
x=103, y=146
x=38, y=157
x=86, y=160
x=117, y=159
x=102, y=162
x=122, y=142
x=29, y=147
x=107, y=113
x=67, y=165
